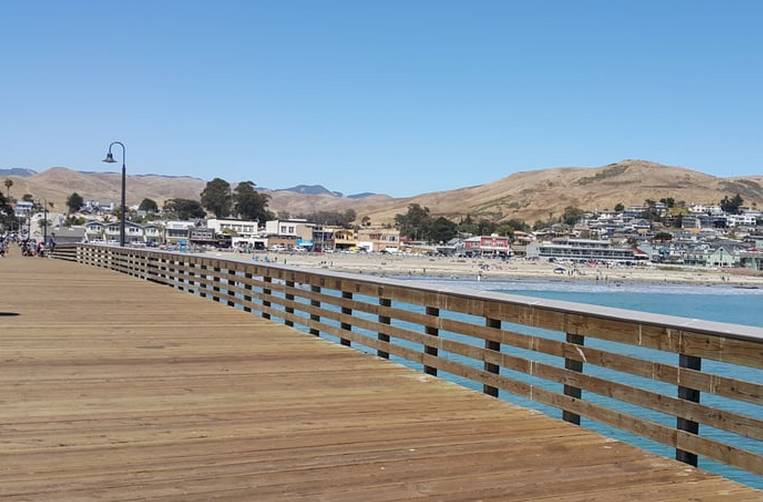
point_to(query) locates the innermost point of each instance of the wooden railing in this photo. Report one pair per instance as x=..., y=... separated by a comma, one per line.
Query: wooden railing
x=488, y=338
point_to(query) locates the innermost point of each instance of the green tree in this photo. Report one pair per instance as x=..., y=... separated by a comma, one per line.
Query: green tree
x=572, y=215
x=669, y=202
x=8, y=184
x=366, y=221
x=27, y=197
x=663, y=236
x=184, y=209
x=508, y=227
x=74, y=202
x=442, y=229
x=330, y=217
x=415, y=222
x=486, y=227
x=72, y=220
x=6, y=212
x=251, y=204
x=217, y=198
x=619, y=207
x=350, y=215
x=149, y=206
x=733, y=204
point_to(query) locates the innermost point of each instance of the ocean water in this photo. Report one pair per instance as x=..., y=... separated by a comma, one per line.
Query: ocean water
x=716, y=303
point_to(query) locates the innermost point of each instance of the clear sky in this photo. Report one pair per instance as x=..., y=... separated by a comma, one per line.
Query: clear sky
x=391, y=96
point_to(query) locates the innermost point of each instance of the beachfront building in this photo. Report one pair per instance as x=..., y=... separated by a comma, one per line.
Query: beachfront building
x=583, y=250
x=520, y=242
x=723, y=257
x=238, y=228
x=487, y=245
x=752, y=259
x=133, y=232
x=177, y=230
x=345, y=239
x=323, y=237
x=299, y=228
x=70, y=235
x=94, y=231
x=153, y=233
x=378, y=240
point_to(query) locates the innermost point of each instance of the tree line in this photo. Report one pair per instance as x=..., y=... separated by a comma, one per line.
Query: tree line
x=417, y=223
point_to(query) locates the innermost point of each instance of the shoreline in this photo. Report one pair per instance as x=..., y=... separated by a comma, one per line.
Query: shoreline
x=491, y=270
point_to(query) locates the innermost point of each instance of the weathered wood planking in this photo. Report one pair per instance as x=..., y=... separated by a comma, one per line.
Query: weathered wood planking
x=685, y=337
x=113, y=388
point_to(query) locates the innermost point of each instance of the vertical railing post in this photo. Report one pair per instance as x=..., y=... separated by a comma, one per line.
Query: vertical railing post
x=384, y=319
x=315, y=317
x=203, y=285
x=345, y=325
x=267, y=292
x=693, y=363
x=569, y=390
x=215, y=283
x=248, y=287
x=289, y=297
x=230, y=282
x=191, y=275
x=177, y=274
x=492, y=367
x=431, y=331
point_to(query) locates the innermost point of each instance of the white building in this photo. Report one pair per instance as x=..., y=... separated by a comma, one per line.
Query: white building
x=300, y=229
x=177, y=230
x=133, y=232
x=23, y=209
x=746, y=219
x=581, y=250
x=705, y=209
x=94, y=231
x=239, y=228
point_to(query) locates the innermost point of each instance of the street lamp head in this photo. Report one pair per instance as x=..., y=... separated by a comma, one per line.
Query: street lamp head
x=109, y=158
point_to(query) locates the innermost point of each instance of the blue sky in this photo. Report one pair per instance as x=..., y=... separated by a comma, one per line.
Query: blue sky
x=397, y=97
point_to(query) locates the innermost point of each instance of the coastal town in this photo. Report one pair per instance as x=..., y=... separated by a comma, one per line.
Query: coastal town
x=724, y=237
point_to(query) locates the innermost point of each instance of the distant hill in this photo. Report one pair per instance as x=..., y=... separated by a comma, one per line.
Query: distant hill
x=528, y=195
x=17, y=171
x=362, y=195
x=539, y=194
x=311, y=190
x=57, y=183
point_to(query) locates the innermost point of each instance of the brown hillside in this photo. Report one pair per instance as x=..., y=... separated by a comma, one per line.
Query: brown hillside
x=537, y=194
x=527, y=195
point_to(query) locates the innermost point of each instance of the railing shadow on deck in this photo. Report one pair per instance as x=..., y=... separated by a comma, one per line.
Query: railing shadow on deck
x=581, y=359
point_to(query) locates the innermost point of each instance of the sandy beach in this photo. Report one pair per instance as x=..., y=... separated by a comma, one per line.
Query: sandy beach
x=492, y=269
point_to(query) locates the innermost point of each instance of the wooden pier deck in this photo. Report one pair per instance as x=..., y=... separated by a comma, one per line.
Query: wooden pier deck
x=113, y=388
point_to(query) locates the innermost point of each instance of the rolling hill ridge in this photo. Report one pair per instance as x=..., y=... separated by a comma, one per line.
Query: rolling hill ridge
x=528, y=195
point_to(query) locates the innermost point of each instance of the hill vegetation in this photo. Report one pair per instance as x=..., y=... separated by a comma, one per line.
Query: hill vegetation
x=530, y=196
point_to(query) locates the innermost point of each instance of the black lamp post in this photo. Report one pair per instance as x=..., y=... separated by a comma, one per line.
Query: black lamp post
x=122, y=212
x=45, y=223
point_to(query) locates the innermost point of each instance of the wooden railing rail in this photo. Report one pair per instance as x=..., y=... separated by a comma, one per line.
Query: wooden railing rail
x=493, y=337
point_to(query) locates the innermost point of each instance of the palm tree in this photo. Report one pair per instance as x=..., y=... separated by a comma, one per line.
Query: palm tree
x=8, y=185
